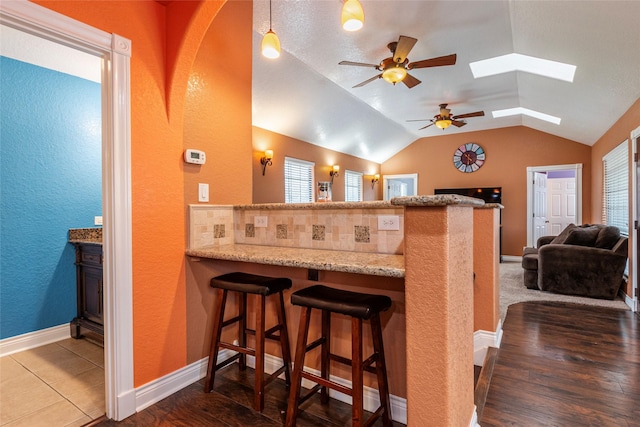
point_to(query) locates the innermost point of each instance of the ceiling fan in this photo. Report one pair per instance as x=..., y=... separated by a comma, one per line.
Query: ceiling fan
x=445, y=119
x=394, y=69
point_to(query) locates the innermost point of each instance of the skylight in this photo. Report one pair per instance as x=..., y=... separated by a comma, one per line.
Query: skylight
x=518, y=62
x=527, y=112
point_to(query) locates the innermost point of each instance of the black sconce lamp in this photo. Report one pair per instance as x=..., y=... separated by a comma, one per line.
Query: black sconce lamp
x=375, y=179
x=266, y=160
x=335, y=171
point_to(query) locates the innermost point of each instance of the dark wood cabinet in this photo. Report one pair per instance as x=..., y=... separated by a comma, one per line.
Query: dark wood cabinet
x=89, y=282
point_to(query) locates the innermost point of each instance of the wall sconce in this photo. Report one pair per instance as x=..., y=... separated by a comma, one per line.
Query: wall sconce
x=266, y=160
x=375, y=179
x=335, y=171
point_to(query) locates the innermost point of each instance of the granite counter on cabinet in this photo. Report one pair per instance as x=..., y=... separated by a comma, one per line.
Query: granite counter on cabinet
x=375, y=264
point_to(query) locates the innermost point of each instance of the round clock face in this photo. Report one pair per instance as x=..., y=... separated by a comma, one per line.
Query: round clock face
x=469, y=157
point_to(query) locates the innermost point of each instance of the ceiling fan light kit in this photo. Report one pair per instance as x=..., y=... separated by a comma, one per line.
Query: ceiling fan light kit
x=394, y=74
x=352, y=15
x=443, y=123
x=270, y=41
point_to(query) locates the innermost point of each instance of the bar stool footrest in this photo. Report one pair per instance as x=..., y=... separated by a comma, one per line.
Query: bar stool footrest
x=327, y=383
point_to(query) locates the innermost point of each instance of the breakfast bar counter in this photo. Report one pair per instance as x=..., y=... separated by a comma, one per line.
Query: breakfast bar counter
x=373, y=264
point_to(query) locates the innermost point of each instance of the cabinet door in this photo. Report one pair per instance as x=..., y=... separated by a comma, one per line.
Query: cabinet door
x=92, y=299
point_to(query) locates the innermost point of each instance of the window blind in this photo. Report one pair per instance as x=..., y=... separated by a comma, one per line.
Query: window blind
x=615, y=188
x=298, y=181
x=352, y=186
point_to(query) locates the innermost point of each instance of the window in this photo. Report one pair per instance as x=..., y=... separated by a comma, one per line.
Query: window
x=615, y=189
x=352, y=186
x=298, y=181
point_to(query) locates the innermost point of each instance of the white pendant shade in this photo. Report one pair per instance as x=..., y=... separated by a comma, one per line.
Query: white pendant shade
x=352, y=15
x=271, y=45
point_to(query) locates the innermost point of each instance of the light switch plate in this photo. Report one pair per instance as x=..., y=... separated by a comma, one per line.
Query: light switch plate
x=97, y=220
x=203, y=192
x=388, y=222
x=260, y=221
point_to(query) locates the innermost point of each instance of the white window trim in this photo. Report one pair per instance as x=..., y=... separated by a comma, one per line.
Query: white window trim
x=301, y=164
x=618, y=160
x=348, y=177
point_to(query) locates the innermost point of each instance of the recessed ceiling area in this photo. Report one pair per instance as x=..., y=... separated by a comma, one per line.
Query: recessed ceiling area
x=306, y=94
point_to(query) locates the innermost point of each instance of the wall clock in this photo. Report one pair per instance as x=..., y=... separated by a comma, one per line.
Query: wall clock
x=469, y=157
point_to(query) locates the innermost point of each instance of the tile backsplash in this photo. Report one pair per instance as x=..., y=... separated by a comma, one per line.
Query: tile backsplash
x=333, y=229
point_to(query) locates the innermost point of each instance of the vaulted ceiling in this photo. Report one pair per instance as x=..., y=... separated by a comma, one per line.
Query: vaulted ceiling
x=306, y=94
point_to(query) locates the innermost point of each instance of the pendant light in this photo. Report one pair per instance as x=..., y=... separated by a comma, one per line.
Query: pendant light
x=270, y=41
x=352, y=15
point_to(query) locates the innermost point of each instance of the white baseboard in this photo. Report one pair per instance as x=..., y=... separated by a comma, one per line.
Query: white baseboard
x=482, y=340
x=474, y=417
x=161, y=388
x=631, y=302
x=34, y=339
x=511, y=258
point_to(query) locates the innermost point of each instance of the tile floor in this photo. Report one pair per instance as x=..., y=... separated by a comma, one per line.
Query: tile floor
x=59, y=384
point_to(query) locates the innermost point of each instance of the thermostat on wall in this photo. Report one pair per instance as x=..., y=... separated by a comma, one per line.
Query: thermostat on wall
x=194, y=156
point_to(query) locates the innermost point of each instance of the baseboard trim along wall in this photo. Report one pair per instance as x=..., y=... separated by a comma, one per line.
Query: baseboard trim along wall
x=34, y=339
x=482, y=340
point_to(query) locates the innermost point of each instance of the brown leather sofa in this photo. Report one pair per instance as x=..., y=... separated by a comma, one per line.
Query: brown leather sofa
x=587, y=260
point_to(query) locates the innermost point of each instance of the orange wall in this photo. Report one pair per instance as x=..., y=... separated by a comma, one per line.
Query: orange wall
x=158, y=215
x=270, y=187
x=218, y=121
x=509, y=152
x=217, y=115
x=619, y=132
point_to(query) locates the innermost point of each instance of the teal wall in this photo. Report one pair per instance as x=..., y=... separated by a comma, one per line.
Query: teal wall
x=50, y=181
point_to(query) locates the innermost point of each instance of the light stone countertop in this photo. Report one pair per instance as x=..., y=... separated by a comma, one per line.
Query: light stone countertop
x=374, y=264
x=437, y=200
x=376, y=204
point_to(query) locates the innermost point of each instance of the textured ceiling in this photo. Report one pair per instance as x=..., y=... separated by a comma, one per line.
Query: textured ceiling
x=306, y=95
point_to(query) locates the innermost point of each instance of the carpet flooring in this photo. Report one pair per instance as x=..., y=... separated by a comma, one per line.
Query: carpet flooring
x=512, y=290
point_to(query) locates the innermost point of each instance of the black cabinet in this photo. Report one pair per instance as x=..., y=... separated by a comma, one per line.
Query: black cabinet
x=89, y=319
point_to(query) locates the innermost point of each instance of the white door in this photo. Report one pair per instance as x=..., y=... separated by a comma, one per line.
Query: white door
x=561, y=204
x=396, y=189
x=539, y=205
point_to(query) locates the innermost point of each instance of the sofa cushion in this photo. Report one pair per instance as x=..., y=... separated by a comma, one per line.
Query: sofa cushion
x=583, y=236
x=560, y=238
x=607, y=237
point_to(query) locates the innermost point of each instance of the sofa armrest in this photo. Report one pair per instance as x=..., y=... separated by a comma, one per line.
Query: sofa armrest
x=544, y=240
x=580, y=270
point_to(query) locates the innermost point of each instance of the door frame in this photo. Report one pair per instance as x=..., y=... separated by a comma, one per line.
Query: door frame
x=115, y=52
x=577, y=167
x=408, y=176
x=634, y=277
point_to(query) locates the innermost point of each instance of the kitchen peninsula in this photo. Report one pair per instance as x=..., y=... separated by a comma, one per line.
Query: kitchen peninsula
x=425, y=266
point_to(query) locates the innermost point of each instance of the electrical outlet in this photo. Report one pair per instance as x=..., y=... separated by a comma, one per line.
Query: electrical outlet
x=388, y=222
x=260, y=221
x=97, y=220
x=203, y=192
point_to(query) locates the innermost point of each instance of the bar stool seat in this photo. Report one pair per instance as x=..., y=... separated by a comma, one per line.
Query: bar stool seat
x=262, y=287
x=360, y=307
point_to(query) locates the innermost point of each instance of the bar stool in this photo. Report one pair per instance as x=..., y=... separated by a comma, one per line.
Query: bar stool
x=359, y=307
x=262, y=286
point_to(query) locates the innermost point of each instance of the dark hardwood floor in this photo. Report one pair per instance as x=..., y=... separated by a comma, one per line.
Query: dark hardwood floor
x=231, y=404
x=566, y=365
x=559, y=365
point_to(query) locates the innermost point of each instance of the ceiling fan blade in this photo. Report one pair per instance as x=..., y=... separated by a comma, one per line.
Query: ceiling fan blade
x=358, y=64
x=404, y=46
x=464, y=116
x=458, y=123
x=368, y=81
x=410, y=81
x=434, y=62
x=419, y=120
x=431, y=124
